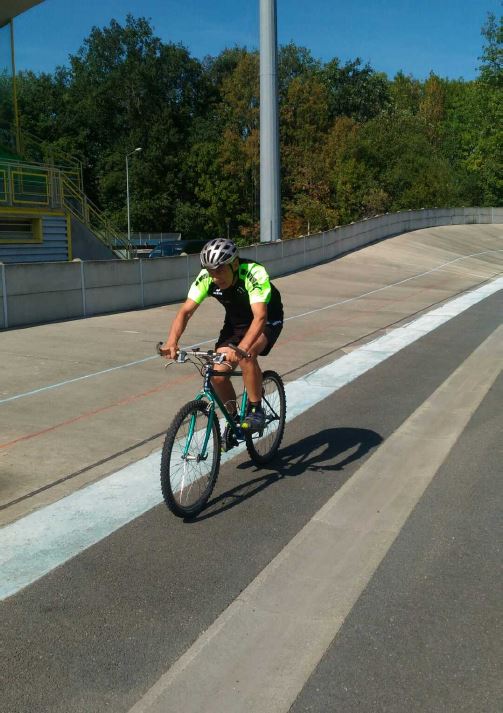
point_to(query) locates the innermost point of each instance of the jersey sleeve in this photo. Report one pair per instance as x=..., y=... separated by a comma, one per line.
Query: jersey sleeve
x=257, y=284
x=200, y=287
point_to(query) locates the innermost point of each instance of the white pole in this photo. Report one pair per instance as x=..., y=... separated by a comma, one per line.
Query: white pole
x=127, y=200
x=139, y=148
x=4, y=298
x=270, y=192
x=83, y=286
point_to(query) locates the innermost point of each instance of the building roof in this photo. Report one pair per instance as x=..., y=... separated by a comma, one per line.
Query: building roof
x=11, y=8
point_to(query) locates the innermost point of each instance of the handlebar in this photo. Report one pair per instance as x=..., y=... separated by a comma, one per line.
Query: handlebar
x=209, y=355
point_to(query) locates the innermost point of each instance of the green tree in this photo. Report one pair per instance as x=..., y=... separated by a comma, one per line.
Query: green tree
x=491, y=69
x=487, y=157
x=353, y=143
x=473, y=128
x=129, y=89
x=405, y=93
x=294, y=62
x=355, y=90
x=304, y=125
x=238, y=150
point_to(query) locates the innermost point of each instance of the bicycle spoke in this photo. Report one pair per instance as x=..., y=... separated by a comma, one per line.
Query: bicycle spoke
x=187, y=475
x=263, y=445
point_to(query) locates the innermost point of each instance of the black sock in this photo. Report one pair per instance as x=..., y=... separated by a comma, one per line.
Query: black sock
x=255, y=405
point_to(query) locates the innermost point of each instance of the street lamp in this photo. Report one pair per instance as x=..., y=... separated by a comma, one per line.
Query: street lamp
x=136, y=150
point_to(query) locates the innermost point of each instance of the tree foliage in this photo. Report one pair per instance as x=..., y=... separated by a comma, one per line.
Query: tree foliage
x=353, y=142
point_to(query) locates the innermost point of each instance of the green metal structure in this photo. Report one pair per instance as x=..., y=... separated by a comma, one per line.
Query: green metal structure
x=35, y=177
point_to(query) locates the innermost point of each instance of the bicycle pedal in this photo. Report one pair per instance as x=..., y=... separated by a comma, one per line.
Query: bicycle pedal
x=229, y=441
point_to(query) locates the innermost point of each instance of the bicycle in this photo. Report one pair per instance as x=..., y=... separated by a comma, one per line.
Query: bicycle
x=192, y=448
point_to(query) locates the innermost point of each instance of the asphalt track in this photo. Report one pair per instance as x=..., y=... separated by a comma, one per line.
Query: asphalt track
x=100, y=631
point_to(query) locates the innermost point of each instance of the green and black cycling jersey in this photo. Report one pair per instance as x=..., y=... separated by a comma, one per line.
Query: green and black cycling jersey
x=252, y=285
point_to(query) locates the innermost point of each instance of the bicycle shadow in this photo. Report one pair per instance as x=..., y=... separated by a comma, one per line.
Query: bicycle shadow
x=327, y=451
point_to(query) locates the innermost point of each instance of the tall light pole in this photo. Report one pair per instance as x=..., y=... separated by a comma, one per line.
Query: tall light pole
x=136, y=150
x=270, y=192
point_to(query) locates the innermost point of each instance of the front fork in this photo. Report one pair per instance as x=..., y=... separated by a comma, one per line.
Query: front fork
x=192, y=429
x=211, y=415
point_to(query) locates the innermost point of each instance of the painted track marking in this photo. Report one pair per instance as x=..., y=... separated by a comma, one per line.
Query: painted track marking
x=288, y=616
x=46, y=538
x=208, y=341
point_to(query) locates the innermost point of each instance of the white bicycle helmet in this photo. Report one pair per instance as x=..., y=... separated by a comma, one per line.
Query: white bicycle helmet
x=218, y=251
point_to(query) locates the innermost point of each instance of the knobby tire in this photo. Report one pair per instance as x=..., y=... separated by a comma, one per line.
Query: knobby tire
x=262, y=450
x=183, y=496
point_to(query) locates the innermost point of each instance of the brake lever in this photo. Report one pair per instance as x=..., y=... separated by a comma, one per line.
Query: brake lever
x=180, y=358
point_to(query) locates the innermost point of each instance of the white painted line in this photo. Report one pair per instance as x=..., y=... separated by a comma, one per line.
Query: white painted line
x=35, y=544
x=258, y=654
x=394, y=284
x=72, y=381
x=89, y=376
x=208, y=341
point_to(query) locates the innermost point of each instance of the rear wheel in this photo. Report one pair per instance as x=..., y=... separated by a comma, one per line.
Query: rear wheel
x=263, y=446
x=188, y=477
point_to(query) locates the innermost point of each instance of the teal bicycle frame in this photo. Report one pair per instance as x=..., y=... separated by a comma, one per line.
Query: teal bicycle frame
x=209, y=393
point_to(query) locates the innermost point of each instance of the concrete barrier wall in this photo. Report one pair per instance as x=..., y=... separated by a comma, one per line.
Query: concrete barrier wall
x=44, y=292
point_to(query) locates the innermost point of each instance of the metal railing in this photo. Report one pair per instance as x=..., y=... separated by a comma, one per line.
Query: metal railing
x=48, y=177
x=28, y=185
x=32, y=147
x=84, y=209
x=141, y=239
x=32, y=185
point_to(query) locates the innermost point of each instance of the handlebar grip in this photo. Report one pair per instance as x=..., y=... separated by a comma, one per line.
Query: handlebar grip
x=158, y=348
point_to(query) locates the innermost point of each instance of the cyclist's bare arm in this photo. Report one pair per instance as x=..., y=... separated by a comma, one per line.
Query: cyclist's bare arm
x=256, y=328
x=170, y=347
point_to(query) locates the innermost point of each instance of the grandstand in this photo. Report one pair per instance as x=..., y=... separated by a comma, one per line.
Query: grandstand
x=44, y=212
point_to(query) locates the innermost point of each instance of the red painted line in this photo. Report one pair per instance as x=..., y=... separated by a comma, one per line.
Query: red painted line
x=282, y=342
x=88, y=414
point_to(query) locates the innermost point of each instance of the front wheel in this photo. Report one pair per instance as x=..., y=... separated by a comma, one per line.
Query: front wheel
x=263, y=446
x=188, y=475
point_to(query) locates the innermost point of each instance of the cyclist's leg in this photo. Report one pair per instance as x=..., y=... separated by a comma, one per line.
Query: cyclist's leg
x=252, y=375
x=223, y=384
x=225, y=389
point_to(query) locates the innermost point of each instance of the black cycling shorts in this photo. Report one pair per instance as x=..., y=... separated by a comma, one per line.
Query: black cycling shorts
x=233, y=335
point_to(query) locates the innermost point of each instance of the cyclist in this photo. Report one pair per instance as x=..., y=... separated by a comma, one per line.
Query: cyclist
x=253, y=322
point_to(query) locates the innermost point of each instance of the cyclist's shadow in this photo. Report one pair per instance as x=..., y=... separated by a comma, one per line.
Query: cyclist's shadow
x=327, y=451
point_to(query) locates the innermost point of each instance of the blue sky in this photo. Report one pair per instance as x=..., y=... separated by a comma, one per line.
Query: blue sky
x=416, y=36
